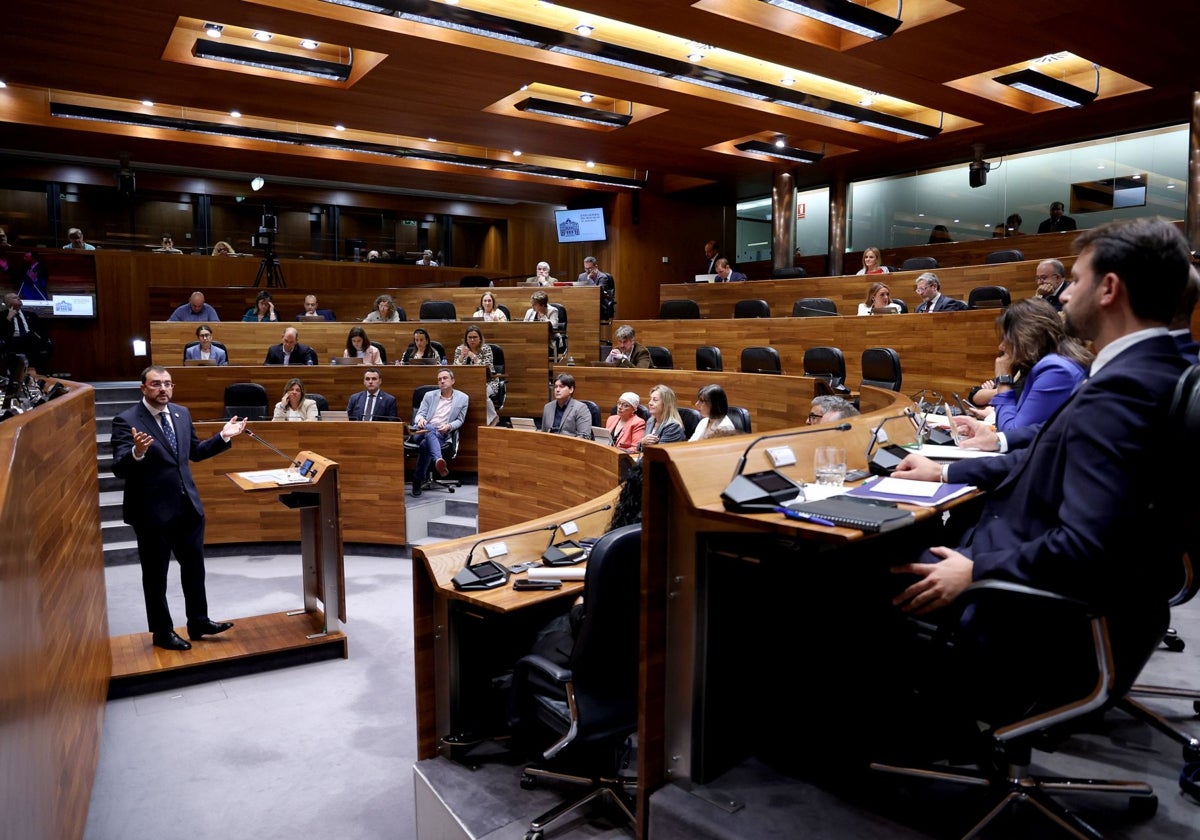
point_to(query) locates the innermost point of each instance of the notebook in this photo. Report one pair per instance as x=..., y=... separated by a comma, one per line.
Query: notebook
x=920, y=493
x=602, y=435
x=865, y=515
x=423, y=361
x=524, y=423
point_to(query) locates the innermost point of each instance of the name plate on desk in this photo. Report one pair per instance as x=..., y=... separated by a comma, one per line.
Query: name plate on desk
x=498, y=549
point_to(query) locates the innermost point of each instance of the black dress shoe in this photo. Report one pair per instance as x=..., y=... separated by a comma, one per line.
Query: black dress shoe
x=207, y=627
x=416, y=491
x=170, y=640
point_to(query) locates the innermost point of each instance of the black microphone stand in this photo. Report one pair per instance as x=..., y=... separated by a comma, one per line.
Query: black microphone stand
x=488, y=574
x=250, y=434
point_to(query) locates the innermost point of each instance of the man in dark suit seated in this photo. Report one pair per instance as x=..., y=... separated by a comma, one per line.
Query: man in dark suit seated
x=290, y=351
x=312, y=313
x=726, y=274
x=930, y=290
x=21, y=332
x=565, y=415
x=1057, y=221
x=1051, y=280
x=373, y=403
x=1083, y=510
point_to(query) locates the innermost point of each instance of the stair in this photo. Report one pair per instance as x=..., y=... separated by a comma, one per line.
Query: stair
x=120, y=546
x=438, y=516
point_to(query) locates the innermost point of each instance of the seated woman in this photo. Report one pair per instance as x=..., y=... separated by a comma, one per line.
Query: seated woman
x=475, y=351
x=878, y=302
x=715, y=421
x=665, y=424
x=385, y=311
x=223, y=249
x=541, y=310
x=420, y=349
x=360, y=347
x=872, y=262
x=294, y=405
x=262, y=310
x=627, y=428
x=488, y=310
x=1037, y=353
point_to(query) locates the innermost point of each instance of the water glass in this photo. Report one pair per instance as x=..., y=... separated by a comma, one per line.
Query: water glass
x=829, y=463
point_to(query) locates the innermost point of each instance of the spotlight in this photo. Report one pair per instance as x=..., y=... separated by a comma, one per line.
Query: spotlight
x=213, y=30
x=309, y=44
x=256, y=183
x=586, y=97
x=780, y=142
x=585, y=30
x=259, y=35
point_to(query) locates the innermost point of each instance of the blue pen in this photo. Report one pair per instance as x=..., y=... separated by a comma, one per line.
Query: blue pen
x=805, y=517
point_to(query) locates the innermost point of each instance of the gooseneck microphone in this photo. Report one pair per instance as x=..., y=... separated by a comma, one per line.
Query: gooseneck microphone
x=250, y=434
x=488, y=574
x=765, y=490
x=568, y=552
x=741, y=464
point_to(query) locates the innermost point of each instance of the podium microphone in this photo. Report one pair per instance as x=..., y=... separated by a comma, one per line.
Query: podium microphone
x=250, y=434
x=488, y=574
x=568, y=552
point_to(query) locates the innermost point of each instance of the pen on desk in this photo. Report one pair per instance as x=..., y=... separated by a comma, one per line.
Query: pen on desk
x=804, y=517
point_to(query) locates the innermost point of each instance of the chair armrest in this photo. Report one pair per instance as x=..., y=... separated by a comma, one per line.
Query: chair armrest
x=545, y=667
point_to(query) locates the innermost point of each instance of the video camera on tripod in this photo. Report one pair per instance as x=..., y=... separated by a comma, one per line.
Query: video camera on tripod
x=265, y=238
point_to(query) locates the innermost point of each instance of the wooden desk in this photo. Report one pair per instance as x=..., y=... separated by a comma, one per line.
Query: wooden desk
x=202, y=390
x=450, y=626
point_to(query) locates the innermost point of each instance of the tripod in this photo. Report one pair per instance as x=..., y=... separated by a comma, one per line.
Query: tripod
x=272, y=270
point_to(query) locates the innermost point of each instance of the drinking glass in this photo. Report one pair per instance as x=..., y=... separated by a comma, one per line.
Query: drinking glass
x=829, y=463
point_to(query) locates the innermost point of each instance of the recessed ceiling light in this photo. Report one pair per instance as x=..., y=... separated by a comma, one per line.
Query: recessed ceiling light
x=919, y=215
x=779, y=141
x=259, y=35
x=591, y=164
x=339, y=127
x=256, y=183
x=586, y=97
x=309, y=44
x=213, y=30
x=585, y=30
x=3, y=85
x=787, y=80
x=431, y=139
x=147, y=103
x=516, y=152
x=235, y=114
x=695, y=56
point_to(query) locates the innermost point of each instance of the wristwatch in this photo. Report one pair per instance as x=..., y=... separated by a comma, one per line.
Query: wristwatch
x=1004, y=380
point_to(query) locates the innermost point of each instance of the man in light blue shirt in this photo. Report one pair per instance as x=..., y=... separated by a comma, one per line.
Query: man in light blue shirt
x=195, y=310
x=77, y=243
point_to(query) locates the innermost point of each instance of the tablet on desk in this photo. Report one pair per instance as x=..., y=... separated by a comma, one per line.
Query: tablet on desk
x=602, y=435
x=198, y=362
x=524, y=423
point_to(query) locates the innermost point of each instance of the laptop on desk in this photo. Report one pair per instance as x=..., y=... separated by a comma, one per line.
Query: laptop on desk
x=198, y=362
x=423, y=361
x=524, y=423
x=347, y=360
x=706, y=278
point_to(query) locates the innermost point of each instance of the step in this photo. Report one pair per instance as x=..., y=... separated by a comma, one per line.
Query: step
x=121, y=553
x=115, y=531
x=462, y=507
x=104, y=425
x=449, y=527
x=108, y=481
x=110, y=505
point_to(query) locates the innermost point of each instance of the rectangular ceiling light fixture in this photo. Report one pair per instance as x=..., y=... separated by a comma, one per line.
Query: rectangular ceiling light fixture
x=1039, y=84
x=578, y=113
x=271, y=60
x=783, y=152
x=843, y=14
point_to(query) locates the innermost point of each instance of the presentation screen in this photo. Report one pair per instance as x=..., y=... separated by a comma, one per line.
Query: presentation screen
x=580, y=225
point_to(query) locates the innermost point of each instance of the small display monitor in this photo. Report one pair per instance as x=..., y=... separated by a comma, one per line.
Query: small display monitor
x=585, y=225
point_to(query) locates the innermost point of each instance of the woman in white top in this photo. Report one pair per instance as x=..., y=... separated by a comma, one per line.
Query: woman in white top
x=294, y=405
x=488, y=310
x=541, y=310
x=385, y=311
x=713, y=406
x=878, y=296
x=359, y=346
x=873, y=262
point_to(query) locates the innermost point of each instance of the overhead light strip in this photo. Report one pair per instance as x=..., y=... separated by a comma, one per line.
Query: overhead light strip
x=271, y=60
x=1049, y=88
x=577, y=113
x=843, y=14
x=784, y=153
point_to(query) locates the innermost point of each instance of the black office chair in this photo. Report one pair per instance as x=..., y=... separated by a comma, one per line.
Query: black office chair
x=590, y=705
x=708, y=357
x=595, y=411
x=401, y=313
x=192, y=344
x=759, y=359
x=881, y=368
x=248, y=400
x=608, y=298
x=498, y=365
x=378, y=345
x=988, y=297
x=826, y=363
x=788, y=273
x=438, y=310
x=903, y=306
x=559, y=336
x=751, y=309
x=474, y=281
x=661, y=357
x=437, y=346
x=918, y=264
x=691, y=419
x=449, y=447
x=677, y=310
x=741, y=418
x=813, y=308
x=322, y=403
x=504, y=309
x=1007, y=255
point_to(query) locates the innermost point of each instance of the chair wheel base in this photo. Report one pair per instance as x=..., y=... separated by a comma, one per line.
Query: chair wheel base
x=1143, y=807
x=534, y=835
x=528, y=782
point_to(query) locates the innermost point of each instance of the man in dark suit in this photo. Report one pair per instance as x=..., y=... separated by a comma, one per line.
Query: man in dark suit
x=1083, y=510
x=1051, y=280
x=930, y=290
x=1057, y=221
x=21, y=332
x=312, y=313
x=711, y=254
x=373, y=403
x=726, y=274
x=290, y=351
x=153, y=443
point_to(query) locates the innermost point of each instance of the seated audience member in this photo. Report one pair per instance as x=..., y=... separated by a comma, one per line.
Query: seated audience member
x=715, y=421
x=475, y=351
x=939, y=234
x=1051, y=279
x=878, y=302
x=626, y=352
x=441, y=412
x=541, y=275
x=385, y=311
x=223, y=249
x=21, y=332
x=262, y=310
x=541, y=310
x=627, y=428
x=726, y=274
x=76, y=241
x=1070, y=513
x=420, y=349
x=205, y=349
x=929, y=289
x=290, y=351
x=872, y=262
x=1181, y=323
x=1012, y=225
x=372, y=255
x=665, y=425
x=372, y=403
x=312, y=313
x=426, y=258
x=294, y=405
x=358, y=346
x=591, y=275
x=488, y=310
x=565, y=415
x=1057, y=221
x=830, y=409
x=195, y=310
x=167, y=245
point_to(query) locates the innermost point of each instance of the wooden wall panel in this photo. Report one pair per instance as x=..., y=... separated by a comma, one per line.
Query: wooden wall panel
x=371, y=483
x=55, y=656
x=524, y=352
x=202, y=390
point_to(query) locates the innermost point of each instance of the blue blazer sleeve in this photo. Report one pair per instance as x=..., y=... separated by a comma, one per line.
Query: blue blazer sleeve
x=1051, y=382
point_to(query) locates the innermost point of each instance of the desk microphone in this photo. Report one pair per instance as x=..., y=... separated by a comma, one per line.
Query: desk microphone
x=741, y=464
x=888, y=458
x=768, y=489
x=568, y=552
x=287, y=458
x=488, y=574
x=816, y=311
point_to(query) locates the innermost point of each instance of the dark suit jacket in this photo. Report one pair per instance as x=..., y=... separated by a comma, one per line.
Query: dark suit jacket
x=1189, y=348
x=944, y=304
x=32, y=341
x=385, y=405
x=159, y=488
x=1052, y=298
x=1064, y=223
x=302, y=354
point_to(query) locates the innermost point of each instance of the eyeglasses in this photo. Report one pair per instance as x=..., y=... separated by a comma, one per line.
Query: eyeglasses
x=813, y=417
x=160, y=386
x=1045, y=276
